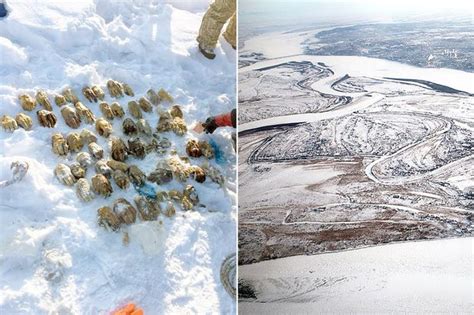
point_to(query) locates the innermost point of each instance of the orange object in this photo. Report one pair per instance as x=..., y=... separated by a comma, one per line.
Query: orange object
x=137, y=312
x=128, y=309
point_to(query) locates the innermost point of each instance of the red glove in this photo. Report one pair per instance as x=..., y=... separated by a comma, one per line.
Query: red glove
x=224, y=120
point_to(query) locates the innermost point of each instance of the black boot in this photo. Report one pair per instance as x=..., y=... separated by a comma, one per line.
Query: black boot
x=209, y=54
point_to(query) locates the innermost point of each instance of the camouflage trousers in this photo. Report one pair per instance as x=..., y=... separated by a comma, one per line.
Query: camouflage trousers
x=219, y=12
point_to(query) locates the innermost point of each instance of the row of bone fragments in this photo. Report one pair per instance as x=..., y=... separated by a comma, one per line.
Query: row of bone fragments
x=172, y=120
x=122, y=174
x=175, y=167
x=122, y=212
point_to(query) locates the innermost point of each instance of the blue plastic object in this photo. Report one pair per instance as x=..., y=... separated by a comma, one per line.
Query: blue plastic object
x=218, y=153
x=146, y=190
x=3, y=10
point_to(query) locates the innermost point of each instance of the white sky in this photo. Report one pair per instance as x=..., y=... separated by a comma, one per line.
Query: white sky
x=380, y=3
x=273, y=13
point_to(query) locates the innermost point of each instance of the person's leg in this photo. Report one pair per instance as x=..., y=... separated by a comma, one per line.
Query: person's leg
x=230, y=31
x=212, y=22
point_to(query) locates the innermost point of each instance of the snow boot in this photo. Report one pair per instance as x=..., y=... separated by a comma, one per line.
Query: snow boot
x=207, y=52
x=230, y=41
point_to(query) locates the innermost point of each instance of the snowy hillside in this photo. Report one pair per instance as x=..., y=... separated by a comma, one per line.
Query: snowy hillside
x=54, y=258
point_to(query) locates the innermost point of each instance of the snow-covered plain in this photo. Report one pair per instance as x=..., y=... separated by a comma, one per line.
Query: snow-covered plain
x=397, y=278
x=54, y=258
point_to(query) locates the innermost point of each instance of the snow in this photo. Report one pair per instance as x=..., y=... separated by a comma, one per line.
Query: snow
x=54, y=258
x=275, y=44
x=413, y=277
x=361, y=103
x=282, y=213
x=11, y=54
x=276, y=192
x=357, y=66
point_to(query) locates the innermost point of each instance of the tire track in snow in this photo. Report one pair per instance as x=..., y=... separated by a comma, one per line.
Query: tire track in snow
x=369, y=170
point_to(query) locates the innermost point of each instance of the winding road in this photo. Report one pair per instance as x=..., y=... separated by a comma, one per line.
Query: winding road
x=369, y=170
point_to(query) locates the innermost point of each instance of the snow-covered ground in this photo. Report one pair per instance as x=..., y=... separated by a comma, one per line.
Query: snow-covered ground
x=358, y=66
x=326, y=201
x=275, y=44
x=170, y=266
x=415, y=277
